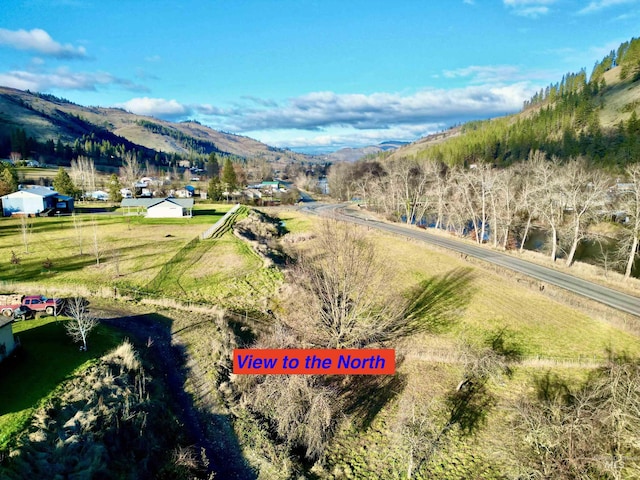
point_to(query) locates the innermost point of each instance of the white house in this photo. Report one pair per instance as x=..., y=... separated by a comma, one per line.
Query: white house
x=100, y=195
x=7, y=342
x=183, y=193
x=161, y=207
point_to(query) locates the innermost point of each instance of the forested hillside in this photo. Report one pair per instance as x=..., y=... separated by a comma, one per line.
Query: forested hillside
x=54, y=130
x=595, y=116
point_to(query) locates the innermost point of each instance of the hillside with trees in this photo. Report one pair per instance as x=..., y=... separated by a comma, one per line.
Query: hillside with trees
x=54, y=130
x=595, y=116
x=565, y=166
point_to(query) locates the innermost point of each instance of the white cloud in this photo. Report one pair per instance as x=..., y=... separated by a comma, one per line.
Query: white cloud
x=156, y=107
x=318, y=111
x=484, y=74
x=332, y=120
x=63, y=79
x=38, y=40
x=529, y=8
x=340, y=138
x=597, y=5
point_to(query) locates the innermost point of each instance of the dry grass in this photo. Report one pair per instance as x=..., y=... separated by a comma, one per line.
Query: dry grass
x=538, y=324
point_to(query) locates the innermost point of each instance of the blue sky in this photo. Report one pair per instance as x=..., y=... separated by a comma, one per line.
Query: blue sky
x=306, y=74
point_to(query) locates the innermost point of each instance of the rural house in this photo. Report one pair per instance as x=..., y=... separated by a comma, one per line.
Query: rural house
x=35, y=201
x=7, y=342
x=160, y=207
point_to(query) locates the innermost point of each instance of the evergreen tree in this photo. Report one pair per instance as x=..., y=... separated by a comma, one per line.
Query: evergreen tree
x=8, y=181
x=213, y=168
x=214, y=191
x=229, y=177
x=63, y=184
x=114, y=188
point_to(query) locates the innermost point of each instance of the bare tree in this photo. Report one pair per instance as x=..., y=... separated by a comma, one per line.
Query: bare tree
x=26, y=228
x=589, y=431
x=439, y=190
x=130, y=170
x=630, y=204
x=504, y=201
x=81, y=322
x=340, y=300
x=584, y=190
x=408, y=184
x=340, y=181
x=83, y=174
x=303, y=408
x=526, y=198
x=77, y=227
x=549, y=197
x=473, y=186
x=96, y=245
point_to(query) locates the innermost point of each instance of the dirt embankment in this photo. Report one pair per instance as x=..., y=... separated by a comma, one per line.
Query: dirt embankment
x=200, y=412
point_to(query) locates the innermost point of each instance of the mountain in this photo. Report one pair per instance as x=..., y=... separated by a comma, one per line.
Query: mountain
x=47, y=119
x=593, y=116
x=353, y=154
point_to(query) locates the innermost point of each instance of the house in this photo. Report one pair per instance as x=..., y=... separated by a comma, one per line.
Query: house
x=99, y=195
x=252, y=193
x=160, y=207
x=170, y=208
x=186, y=192
x=35, y=201
x=7, y=342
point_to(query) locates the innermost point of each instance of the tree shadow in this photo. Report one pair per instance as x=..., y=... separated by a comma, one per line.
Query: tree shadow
x=366, y=395
x=433, y=306
x=436, y=303
x=208, y=211
x=212, y=433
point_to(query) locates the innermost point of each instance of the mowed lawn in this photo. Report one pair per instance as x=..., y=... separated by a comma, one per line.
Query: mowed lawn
x=47, y=357
x=131, y=249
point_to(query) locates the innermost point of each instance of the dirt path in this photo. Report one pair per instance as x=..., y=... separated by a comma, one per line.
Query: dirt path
x=211, y=433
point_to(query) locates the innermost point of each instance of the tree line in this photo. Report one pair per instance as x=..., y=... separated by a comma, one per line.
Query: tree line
x=500, y=206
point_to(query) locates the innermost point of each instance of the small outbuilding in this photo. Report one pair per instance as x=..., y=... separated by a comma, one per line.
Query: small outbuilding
x=160, y=207
x=7, y=341
x=170, y=208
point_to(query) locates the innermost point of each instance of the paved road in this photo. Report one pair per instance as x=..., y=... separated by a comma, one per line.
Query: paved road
x=604, y=295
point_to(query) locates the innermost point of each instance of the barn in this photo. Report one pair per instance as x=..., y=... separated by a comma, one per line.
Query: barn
x=35, y=201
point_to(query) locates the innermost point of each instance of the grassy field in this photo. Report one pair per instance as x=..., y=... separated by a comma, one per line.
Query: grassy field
x=47, y=357
x=226, y=272
x=131, y=249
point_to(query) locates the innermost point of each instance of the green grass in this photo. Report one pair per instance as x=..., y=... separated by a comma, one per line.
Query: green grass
x=47, y=358
x=134, y=247
x=295, y=222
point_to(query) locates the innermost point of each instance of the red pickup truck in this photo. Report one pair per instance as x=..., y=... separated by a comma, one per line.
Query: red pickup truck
x=37, y=303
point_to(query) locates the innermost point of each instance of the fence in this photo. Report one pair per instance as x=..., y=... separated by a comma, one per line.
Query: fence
x=223, y=222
